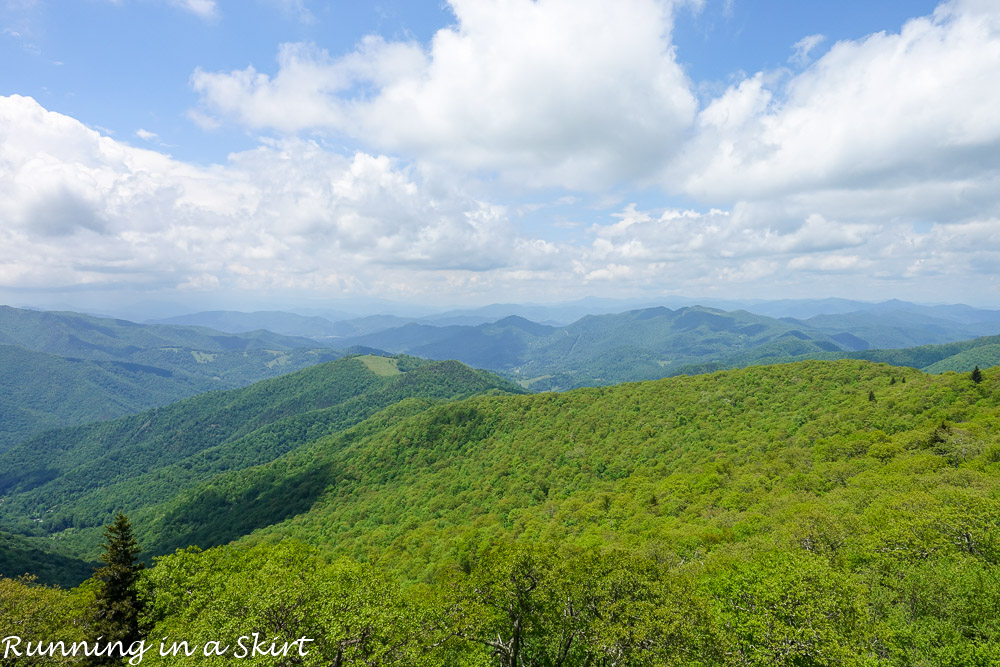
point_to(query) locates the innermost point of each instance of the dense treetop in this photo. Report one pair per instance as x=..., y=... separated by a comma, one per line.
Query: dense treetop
x=72, y=480
x=768, y=515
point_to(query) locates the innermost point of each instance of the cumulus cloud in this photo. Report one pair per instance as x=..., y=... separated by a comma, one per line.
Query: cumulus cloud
x=81, y=208
x=679, y=235
x=552, y=92
x=891, y=126
x=874, y=170
x=746, y=251
x=890, y=110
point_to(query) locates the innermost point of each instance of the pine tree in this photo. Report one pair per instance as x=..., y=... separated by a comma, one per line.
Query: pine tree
x=977, y=375
x=117, y=606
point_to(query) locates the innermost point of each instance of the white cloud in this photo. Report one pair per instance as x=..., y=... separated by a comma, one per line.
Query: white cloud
x=874, y=171
x=80, y=208
x=888, y=111
x=803, y=48
x=146, y=135
x=895, y=127
x=833, y=170
x=745, y=251
x=832, y=263
x=204, y=8
x=577, y=93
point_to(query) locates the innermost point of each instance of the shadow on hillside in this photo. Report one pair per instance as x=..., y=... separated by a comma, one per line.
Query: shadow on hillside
x=217, y=516
x=18, y=558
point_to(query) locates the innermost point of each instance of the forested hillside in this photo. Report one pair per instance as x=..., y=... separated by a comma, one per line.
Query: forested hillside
x=644, y=464
x=41, y=391
x=960, y=356
x=607, y=349
x=70, y=482
x=653, y=343
x=123, y=368
x=60, y=369
x=817, y=512
x=88, y=337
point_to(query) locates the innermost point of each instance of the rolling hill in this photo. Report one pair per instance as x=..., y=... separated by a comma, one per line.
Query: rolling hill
x=59, y=369
x=70, y=481
x=605, y=349
x=658, y=342
x=819, y=512
x=41, y=391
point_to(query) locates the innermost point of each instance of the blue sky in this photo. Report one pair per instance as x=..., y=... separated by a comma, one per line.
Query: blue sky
x=289, y=152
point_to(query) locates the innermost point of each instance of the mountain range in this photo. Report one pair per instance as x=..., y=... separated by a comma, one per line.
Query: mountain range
x=63, y=368
x=658, y=342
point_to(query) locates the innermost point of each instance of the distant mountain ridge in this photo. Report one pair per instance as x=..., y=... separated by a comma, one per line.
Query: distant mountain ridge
x=605, y=349
x=659, y=342
x=279, y=322
x=122, y=367
x=563, y=314
x=316, y=327
x=62, y=368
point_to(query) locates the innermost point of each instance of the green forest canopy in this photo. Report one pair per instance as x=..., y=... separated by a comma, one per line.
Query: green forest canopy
x=770, y=515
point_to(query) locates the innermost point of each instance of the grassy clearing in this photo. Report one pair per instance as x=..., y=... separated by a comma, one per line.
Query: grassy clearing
x=383, y=366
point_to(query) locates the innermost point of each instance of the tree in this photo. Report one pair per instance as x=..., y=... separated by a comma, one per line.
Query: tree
x=512, y=605
x=977, y=375
x=871, y=396
x=117, y=606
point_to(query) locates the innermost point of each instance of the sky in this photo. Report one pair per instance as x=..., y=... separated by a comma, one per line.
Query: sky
x=295, y=153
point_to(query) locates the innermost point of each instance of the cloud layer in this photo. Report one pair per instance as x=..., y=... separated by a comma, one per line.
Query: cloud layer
x=874, y=171
x=573, y=93
x=82, y=208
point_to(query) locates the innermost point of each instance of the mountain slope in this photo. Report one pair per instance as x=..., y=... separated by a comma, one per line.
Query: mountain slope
x=960, y=356
x=61, y=369
x=631, y=464
x=41, y=391
x=88, y=337
x=75, y=479
x=605, y=349
x=903, y=327
x=674, y=465
x=837, y=512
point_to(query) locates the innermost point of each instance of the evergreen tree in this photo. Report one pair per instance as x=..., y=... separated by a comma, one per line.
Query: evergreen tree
x=977, y=375
x=117, y=606
x=871, y=396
